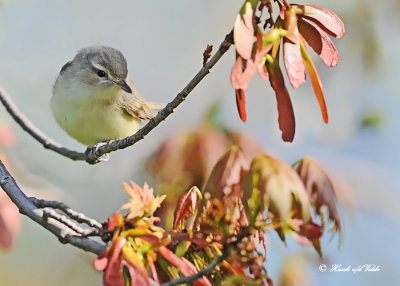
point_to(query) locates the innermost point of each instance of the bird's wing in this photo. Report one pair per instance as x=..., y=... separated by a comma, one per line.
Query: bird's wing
x=134, y=104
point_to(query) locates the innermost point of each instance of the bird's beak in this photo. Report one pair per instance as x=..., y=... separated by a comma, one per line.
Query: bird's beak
x=124, y=86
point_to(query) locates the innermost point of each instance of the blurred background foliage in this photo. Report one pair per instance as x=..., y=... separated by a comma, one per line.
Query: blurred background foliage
x=163, y=42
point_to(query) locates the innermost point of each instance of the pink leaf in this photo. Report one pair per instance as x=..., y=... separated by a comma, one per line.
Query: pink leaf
x=325, y=19
x=291, y=51
x=186, y=204
x=320, y=188
x=100, y=262
x=138, y=277
x=10, y=221
x=226, y=172
x=243, y=31
x=244, y=70
x=319, y=42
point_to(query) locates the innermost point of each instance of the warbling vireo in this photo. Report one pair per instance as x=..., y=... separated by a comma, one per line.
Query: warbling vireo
x=94, y=99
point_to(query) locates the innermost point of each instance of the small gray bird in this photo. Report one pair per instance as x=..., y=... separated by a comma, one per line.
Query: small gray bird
x=95, y=100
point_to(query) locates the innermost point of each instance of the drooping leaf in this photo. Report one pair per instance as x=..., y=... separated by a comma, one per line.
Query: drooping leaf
x=315, y=80
x=291, y=51
x=280, y=189
x=241, y=104
x=244, y=70
x=138, y=277
x=243, y=31
x=186, y=205
x=137, y=270
x=286, y=118
x=184, y=265
x=320, y=188
x=319, y=42
x=113, y=273
x=226, y=172
x=325, y=19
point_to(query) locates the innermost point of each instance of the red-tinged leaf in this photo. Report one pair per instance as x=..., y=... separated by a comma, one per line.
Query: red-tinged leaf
x=153, y=269
x=319, y=42
x=306, y=234
x=243, y=31
x=187, y=203
x=116, y=220
x=325, y=19
x=241, y=104
x=302, y=240
x=293, y=61
x=286, y=118
x=10, y=221
x=320, y=188
x=113, y=275
x=291, y=51
x=262, y=71
x=138, y=277
x=137, y=271
x=226, y=173
x=184, y=265
x=100, y=262
x=242, y=72
x=315, y=80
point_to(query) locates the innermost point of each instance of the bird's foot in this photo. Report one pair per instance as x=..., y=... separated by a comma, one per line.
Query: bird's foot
x=93, y=153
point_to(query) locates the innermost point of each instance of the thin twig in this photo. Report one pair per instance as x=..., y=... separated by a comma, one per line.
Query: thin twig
x=64, y=233
x=92, y=155
x=79, y=217
x=28, y=126
x=213, y=264
x=47, y=213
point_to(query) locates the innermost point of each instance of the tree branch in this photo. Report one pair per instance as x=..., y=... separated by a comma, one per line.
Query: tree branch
x=79, y=217
x=28, y=126
x=92, y=155
x=213, y=264
x=49, y=220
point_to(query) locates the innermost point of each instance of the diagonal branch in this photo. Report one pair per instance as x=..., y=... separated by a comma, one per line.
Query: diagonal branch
x=92, y=155
x=60, y=227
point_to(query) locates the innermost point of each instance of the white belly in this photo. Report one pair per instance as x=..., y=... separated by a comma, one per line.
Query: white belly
x=90, y=118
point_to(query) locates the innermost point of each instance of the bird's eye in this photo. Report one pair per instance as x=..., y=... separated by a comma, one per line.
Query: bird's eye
x=101, y=73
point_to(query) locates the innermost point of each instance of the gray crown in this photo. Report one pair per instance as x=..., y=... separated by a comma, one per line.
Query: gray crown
x=110, y=58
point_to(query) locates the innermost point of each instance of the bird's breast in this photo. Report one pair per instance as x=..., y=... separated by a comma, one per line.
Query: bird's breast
x=91, y=115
